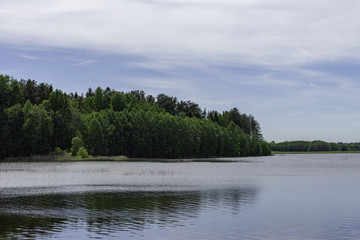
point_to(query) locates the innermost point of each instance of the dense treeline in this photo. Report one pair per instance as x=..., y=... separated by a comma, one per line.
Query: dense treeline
x=313, y=146
x=35, y=119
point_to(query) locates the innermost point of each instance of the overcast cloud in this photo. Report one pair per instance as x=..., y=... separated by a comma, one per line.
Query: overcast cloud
x=293, y=64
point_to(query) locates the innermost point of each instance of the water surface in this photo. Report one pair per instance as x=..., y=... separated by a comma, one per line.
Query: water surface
x=277, y=197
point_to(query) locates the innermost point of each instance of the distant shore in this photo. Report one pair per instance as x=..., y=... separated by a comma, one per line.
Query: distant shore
x=315, y=152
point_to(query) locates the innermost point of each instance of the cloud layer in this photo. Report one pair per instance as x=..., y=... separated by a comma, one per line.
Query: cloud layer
x=271, y=33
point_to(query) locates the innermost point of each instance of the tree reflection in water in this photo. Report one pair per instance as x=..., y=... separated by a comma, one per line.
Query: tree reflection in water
x=105, y=213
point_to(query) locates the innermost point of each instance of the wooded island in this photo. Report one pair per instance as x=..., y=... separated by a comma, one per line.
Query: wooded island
x=37, y=120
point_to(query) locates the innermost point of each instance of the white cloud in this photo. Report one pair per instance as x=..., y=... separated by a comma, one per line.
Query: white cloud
x=272, y=32
x=26, y=56
x=83, y=63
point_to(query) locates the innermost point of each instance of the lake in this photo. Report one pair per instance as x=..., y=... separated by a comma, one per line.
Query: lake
x=298, y=196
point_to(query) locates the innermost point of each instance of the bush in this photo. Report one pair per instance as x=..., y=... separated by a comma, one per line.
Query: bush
x=58, y=152
x=76, y=143
x=82, y=153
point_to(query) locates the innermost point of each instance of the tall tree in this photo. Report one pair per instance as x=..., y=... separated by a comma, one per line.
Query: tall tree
x=95, y=141
x=37, y=129
x=167, y=103
x=118, y=101
x=4, y=92
x=29, y=88
x=12, y=132
x=100, y=100
x=16, y=95
x=190, y=109
x=255, y=127
x=58, y=100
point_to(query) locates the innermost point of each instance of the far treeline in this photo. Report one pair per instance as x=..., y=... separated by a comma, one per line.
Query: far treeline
x=38, y=120
x=313, y=146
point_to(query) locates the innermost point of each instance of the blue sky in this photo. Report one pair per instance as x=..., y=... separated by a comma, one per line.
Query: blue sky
x=294, y=65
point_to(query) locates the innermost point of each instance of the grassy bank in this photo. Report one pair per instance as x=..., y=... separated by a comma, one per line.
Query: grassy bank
x=62, y=158
x=69, y=158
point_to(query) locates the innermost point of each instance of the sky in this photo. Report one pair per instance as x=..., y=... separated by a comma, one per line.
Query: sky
x=294, y=65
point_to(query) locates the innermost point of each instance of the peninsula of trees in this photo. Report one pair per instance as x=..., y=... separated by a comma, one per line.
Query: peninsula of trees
x=314, y=146
x=35, y=119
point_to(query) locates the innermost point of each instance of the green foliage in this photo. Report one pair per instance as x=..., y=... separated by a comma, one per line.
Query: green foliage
x=313, y=146
x=37, y=129
x=35, y=119
x=16, y=95
x=12, y=130
x=319, y=146
x=30, y=90
x=58, y=101
x=190, y=109
x=58, y=152
x=167, y=103
x=266, y=148
x=95, y=137
x=88, y=105
x=34, y=92
x=82, y=153
x=76, y=144
x=101, y=100
x=118, y=101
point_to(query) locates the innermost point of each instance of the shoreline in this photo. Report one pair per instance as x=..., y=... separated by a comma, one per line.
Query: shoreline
x=65, y=158
x=53, y=158
x=316, y=152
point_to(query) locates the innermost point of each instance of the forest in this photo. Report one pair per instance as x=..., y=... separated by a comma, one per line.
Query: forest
x=313, y=146
x=38, y=120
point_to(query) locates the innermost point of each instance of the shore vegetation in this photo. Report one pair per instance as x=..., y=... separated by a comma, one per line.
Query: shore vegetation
x=36, y=119
x=314, y=147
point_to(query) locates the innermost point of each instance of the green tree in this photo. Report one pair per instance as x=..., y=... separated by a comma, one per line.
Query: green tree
x=82, y=153
x=95, y=138
x=88, y=105
x=37, y=129
x=118, y=101
x=232, y=146
x=266, y=148
x=138, y=94
x=190, y=109
x=89, y=93
x=29, y=88
x=214, y=116
x=42, y=91
x=15, y=93
x=167, y=103
x=255, y=127
x=4, y=92
x=12, y=132
x=58, y=100
x=100, y=100
x=76, y=144
x=256, y=147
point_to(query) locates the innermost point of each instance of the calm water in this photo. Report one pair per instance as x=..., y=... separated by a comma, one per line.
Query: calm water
x=278, y=197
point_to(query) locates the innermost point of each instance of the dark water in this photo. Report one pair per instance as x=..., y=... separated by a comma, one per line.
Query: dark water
x=278, y=197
